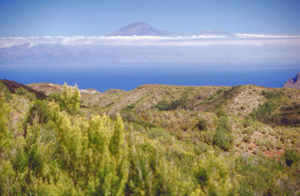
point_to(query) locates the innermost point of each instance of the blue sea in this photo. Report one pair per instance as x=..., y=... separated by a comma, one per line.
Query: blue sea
x=127, y=76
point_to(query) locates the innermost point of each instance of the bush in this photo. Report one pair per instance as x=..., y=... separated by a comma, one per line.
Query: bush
x=129, y=107
x=212, y=174
x=69, y=100
x=247, y=138
x=162, y=105
x=248, y=122
x=223, y=140
x=5, y=91
x=220, y=113
x=21, y=91
x=224, y=124
x=264, y=111
x=39, y=110
x=201, y=124
x=291, y=157
x=157, y=132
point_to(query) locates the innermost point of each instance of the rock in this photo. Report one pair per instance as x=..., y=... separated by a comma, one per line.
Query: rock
x=293, y=82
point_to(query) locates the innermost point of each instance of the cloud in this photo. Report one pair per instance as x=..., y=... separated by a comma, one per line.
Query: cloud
x=268, y=36
x=239, y=48
x=196, y=40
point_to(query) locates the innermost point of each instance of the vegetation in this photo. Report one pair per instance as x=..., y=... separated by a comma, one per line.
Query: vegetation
x=291, y=157
x=155, y=140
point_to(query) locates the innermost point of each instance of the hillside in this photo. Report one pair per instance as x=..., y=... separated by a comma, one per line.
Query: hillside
x=241, y=101
x=152, y=140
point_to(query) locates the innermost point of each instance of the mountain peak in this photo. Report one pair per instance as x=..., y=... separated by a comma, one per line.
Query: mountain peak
x=141, y=29
x=293, y=82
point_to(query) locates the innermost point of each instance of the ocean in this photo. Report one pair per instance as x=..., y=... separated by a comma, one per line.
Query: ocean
x=127, y=76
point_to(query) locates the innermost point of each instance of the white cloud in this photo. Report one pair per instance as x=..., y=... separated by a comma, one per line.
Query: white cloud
x=196, y=40
x=267, y=36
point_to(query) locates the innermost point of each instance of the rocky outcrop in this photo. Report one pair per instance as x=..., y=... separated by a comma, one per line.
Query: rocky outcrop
x=293, y=82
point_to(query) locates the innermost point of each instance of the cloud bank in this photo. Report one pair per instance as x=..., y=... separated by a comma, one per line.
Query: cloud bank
x=196, y=40
x=214, y=48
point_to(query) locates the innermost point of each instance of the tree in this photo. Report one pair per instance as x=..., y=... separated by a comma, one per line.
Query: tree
x=70, y=99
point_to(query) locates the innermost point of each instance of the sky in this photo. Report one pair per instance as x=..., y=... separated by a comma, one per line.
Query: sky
x=102, y=17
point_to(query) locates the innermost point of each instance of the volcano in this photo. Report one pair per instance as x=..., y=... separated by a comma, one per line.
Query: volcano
x=141, y=29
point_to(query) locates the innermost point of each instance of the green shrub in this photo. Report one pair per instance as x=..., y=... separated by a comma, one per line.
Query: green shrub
x=201, y=148
x=247, y=138
x=162, y=105
x=69, y=100
x=264, y=111
x=248, y=122
x=291, y=157
x=129, y=116
x=21, y=91
x=158, y=132
x=223, y=140
x=212, y=174
x=38, y=110
x=129, y=107
x=201, y=124
x=5, y=91
x=223, y=123
x=220, y=113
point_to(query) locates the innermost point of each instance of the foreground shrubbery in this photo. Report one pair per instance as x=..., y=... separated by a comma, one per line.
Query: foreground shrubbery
x=64, y=154
x=59, y=149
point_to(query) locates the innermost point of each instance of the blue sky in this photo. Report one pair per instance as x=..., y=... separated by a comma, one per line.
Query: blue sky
x=102, y=17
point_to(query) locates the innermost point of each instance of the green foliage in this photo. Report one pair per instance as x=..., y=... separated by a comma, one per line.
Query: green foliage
x=201, y=124
x=212, y=174
x=64, y=153
x=291, y=157
x=181, y=103
x=248, y=122
x=275, y=94
x=223, y=137
x=4, y=133
x=38, y=110
x=220, y=113
x=162, y=105
x=158, y=132
x=151, y=174
x=224, y=125
x=223, y=140
x=129, y=107
x=262, y=176
x=129, y=116
x=264, y=111
x=23, y=92
x=5, y=91
x=69, y=100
